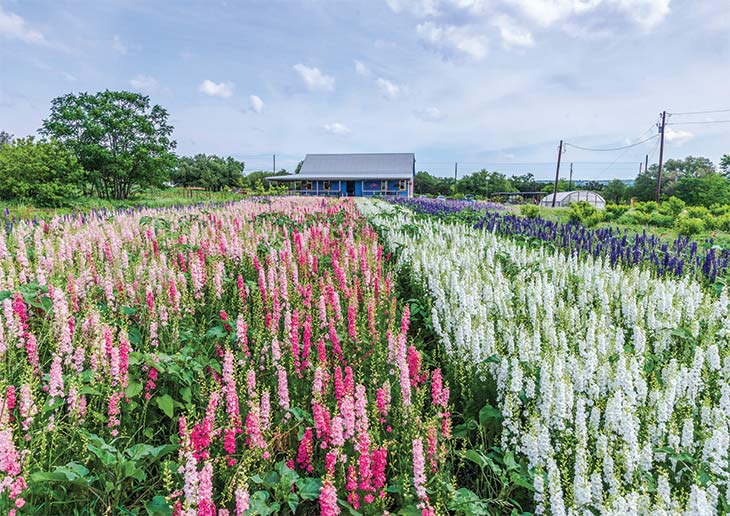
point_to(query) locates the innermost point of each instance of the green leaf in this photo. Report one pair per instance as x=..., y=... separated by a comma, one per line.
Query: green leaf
x=309, y=488
x=158, y=507
x=186, y=394
x=292, y=500
x=128, y=310
x=487, y=414
x=105, y=456
x=133, y=389
x=166, y=404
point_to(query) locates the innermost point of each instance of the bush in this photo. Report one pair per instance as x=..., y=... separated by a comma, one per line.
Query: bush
x=661, y=220
x=635, y=217
x=43, y=173
x=646, y=207
x=585, y=213
x=672, y=206
x=723, y=222
x=720, y=209
x=689, y=226
x=614, y=211
x=530, y=211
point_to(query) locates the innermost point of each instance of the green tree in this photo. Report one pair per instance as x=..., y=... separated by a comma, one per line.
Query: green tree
x=725, y=164
x=704, y=190
x=593, y=186
x=5, y=138
x=484, y=183
x=426, y=184
x=672, y=172
x=615, y=191
x=44, y=173
x=122, y=142
x=563, y=185
x=525, y=183
x=299, y=167
x=209, y=172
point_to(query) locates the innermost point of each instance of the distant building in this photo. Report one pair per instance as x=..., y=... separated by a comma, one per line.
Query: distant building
x=353, y=175
x=565, y=198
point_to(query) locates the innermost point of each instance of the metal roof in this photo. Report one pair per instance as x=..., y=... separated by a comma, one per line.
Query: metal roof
x=578, y=195
x=354, y=166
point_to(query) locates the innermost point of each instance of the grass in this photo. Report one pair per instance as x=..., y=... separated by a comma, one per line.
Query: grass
x=157, y=198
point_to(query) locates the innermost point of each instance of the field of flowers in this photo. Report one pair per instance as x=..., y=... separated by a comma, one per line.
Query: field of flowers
x=242, y=359
x=612, y=383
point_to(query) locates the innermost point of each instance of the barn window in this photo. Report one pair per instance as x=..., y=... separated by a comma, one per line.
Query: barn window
x=384, y=185
x=326, y=185
x=308, y=185
x=403, y=185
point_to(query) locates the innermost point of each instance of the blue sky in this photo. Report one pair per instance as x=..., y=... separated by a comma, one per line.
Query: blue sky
x=488, y=83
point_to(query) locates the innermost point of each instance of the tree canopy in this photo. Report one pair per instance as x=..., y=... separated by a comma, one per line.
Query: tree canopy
x=208, y=171
x=42, y=173
x=121, y=140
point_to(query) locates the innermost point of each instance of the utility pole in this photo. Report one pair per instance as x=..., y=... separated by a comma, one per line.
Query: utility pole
x=557, y=173
x=570, y=183
x=274, y=167
x=646, y=164
x=456, y=171
x=661, y=156
x=640, y=165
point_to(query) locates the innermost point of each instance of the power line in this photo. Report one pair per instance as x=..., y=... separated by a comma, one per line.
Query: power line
x=702, y=122
x=614, y=148
x=701, y=112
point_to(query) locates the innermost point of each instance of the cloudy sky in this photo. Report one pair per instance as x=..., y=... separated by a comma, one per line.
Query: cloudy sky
x=487, y=83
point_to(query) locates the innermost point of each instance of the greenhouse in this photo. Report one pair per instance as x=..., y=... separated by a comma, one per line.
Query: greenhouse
x=565, y=198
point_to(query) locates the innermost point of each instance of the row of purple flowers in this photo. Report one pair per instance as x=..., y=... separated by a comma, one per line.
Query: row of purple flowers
x=704, y=259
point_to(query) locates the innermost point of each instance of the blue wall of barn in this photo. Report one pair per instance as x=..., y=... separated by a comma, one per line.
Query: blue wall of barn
x=365, y=187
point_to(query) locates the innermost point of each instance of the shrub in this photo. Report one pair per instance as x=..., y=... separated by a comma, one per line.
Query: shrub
x=720, y=209
x=585, y=213
x=661, y=220
x=689, y=226
x=697, y=212
x=614, y=211
x=530, y=211
x=672, y=206
x=646, y=207
x=43, y=173
x=723, y=222
x=635, y=217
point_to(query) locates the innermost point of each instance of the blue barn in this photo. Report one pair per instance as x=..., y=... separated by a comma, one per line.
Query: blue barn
x=353, y=175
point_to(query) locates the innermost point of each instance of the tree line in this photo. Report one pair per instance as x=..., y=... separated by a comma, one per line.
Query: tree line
x=695, y=180
x=111, y=144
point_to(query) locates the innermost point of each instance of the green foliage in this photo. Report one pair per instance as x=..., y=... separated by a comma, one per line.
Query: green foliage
x=723, y=222
x=725, y=164
x=530, y=211
x=525, y=183
x=426, y=184
x=661, y=220
x=689, y=226
x=704, y=190
x=672, y=206
x=646, y=207
x=563, y=186
x=208, y=171
x=615, y=191
x=585, y=213
x=42, y=173
x=484, y=183
x=122, y=142
x=673, y=171
x=614, y=211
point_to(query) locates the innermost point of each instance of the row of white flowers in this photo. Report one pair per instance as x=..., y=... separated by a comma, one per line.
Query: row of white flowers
x=614, y=384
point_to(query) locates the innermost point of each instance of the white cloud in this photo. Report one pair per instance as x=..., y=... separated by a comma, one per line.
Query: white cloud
x=257, y=105
x=361, y=68
x=13, y=26
x=389, y=89
x=429, y=114
x=646, y=13
x=336, y=128
x=417, y=7
x=513, y=35
x=221, y=89
x=144, y=83
x=679, y=136
x=452, y=38
x=119, y=46
x=314, y=79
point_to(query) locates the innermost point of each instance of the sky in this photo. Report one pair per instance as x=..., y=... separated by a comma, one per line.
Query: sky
x=490, y=84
